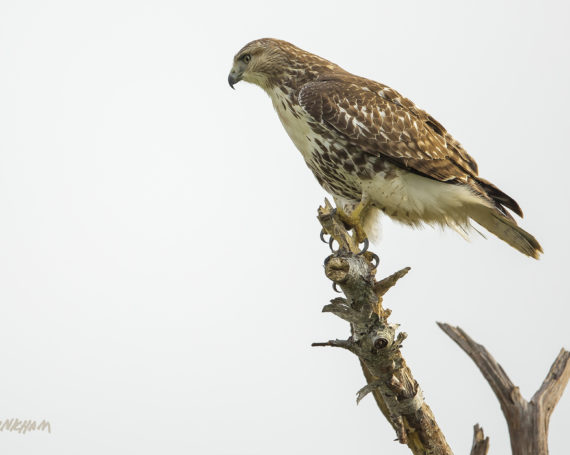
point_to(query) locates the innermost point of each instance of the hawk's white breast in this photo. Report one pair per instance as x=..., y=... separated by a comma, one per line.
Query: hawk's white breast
x=297, y=127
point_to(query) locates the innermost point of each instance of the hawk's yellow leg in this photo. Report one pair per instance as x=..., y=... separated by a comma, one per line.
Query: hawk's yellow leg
x=354, y=219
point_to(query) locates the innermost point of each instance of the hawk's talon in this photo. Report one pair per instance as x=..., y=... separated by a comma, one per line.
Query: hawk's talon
x=335, y=288
x=375, y=260
x=359, y=235
x=365, y=247
x=322, y=236
x=331, y=241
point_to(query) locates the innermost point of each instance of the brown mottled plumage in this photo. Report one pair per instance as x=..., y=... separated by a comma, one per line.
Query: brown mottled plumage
x=369, y=146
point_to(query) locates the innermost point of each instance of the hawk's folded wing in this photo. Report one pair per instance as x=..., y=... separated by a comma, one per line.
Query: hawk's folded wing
x=378, y=121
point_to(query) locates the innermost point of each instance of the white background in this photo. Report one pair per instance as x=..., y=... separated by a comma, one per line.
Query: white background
x=161, y=274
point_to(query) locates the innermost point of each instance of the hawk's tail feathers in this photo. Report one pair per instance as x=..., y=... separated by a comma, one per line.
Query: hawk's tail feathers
x=500, y=197
x=506, y=229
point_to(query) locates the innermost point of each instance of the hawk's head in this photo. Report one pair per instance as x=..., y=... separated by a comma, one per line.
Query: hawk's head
x=268, y=62
x=261, y=62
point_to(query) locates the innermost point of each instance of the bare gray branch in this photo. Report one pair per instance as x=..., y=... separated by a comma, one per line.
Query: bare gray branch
x=527, y=420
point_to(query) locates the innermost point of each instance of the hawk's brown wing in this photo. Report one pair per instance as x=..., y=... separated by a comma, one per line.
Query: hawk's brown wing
x=377, y=120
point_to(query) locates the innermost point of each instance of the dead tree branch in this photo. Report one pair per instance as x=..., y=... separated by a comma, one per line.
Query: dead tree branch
x=480, y=442
x=376, y=343
x=527, y=420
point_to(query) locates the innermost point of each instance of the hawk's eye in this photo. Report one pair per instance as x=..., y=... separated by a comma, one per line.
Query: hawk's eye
x=246, y=58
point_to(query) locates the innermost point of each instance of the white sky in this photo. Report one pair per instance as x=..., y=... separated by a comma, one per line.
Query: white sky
x=161, y=274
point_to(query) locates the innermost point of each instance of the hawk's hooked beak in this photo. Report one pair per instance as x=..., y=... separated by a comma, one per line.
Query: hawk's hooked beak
x=233, y=79
x=236, y=73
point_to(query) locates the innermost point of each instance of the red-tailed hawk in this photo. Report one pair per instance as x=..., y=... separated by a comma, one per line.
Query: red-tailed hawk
x=374, y=150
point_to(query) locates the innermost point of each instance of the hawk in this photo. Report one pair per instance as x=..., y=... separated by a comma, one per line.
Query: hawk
x=373, y=150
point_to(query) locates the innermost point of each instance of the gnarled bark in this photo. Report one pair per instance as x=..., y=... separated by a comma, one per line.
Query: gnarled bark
x=376, y=342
